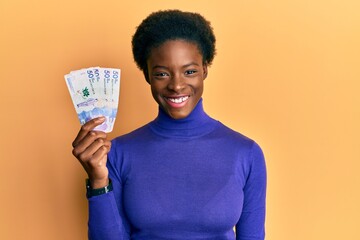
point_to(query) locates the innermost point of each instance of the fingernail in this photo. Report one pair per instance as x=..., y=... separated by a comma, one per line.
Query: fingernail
x=101, y=119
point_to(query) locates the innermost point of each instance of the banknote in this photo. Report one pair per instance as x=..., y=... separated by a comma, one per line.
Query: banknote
x=95, y=92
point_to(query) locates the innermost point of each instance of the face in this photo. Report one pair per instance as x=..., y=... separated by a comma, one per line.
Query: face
x=176, y=73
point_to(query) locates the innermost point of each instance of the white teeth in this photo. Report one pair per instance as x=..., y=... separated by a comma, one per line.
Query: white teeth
x=178, y=100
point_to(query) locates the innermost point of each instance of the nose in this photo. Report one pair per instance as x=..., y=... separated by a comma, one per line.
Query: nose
x=176, y=83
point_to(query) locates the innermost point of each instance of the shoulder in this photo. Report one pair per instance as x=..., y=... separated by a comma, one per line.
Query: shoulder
x=242, y=152
x=248, y=150
x=126, y=142
x=123, y=145
x=235, y=138
x=136, y=135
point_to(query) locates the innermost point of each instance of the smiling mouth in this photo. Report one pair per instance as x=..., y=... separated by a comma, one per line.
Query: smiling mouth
x=178, y=100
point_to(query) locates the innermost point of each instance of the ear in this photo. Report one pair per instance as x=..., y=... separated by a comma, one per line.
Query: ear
x=146, y=75
x=205, y=70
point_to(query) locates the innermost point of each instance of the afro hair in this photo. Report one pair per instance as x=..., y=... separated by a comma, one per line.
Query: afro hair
x=162, y=26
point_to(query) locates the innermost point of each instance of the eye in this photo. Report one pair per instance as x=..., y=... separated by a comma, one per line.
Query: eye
x=190, y=72
x=160, y=74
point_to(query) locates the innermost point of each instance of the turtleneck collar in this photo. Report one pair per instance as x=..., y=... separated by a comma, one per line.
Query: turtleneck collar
x=196, y=124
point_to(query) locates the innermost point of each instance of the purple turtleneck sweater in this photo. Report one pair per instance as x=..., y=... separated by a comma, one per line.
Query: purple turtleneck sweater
x=192, y=178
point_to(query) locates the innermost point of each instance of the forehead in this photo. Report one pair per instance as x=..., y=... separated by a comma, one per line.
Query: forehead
x=175, y=51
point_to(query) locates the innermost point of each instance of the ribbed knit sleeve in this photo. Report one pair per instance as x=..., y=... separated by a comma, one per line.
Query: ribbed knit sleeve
x=107, y=220
x=251, y=223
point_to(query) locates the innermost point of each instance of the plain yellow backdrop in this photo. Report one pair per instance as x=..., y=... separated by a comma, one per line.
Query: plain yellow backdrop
x=286, y=74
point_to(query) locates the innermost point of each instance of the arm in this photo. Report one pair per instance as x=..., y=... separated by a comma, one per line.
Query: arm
x=91, y=149
x=107, y=220
x=251, y=223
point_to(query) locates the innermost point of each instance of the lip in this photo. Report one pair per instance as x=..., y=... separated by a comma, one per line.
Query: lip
x=176, y=104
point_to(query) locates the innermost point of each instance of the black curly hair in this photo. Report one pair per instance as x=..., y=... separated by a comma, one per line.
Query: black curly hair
x=162, y=26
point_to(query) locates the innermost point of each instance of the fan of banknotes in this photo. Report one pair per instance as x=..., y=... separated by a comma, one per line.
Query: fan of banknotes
x=95, y=92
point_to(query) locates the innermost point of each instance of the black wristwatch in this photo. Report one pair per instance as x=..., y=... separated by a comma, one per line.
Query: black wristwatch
x=98, y=191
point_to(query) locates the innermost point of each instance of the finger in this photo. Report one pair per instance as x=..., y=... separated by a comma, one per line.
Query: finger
x=100, y=157
x=87, y=141
x=96, y=168
x=93, y=148
x=97, y=162
x=86, y=128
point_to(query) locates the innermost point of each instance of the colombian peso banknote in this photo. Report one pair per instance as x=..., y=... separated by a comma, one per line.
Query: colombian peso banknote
x=95, y=92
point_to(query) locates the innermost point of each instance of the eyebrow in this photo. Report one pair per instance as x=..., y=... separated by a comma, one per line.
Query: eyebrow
x=185, y=66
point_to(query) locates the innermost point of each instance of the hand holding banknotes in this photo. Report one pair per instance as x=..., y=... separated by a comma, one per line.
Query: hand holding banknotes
x=91, y=148
x=95, y=95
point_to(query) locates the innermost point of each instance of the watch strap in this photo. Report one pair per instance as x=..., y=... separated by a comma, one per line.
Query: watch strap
x=90, y=192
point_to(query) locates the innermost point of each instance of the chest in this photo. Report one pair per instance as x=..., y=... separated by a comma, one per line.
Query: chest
x=184, y=186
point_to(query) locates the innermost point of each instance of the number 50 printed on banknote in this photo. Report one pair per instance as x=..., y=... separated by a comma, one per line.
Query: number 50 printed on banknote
x=95, y=92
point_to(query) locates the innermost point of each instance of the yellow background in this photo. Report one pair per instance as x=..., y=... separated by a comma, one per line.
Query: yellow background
x=286, y=74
